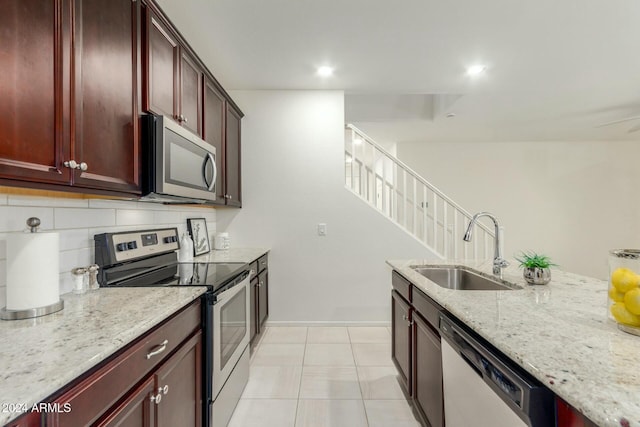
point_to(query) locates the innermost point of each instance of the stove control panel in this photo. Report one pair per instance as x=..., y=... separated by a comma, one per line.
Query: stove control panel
x=114, y=248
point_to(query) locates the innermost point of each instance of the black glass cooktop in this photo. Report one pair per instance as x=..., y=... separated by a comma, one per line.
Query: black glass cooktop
x=212, y=275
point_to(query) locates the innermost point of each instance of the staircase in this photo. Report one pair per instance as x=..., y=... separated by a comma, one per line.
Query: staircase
x=411, y=202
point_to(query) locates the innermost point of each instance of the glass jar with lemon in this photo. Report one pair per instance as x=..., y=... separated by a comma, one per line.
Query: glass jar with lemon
x=624, y=289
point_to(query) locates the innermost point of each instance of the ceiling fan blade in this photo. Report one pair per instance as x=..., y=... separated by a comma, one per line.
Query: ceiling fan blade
x=618, y=121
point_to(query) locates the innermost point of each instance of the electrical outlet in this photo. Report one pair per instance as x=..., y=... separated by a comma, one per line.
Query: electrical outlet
x=322, y=229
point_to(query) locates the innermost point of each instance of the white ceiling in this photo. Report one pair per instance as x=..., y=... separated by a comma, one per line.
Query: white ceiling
x=555, y=69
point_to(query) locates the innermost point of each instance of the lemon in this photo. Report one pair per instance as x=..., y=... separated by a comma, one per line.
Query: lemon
x=624, y=279
x=615, y=295
x=622, y=315
x=632, y=301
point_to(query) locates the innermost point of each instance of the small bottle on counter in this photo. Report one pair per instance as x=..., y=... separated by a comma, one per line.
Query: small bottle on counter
x=79, y=275
x=185, y=253
x=93, y=276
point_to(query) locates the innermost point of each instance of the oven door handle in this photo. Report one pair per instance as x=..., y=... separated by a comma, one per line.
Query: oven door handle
x=231, y=292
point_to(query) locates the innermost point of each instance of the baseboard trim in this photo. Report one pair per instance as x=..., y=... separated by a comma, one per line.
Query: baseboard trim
x=343, y=323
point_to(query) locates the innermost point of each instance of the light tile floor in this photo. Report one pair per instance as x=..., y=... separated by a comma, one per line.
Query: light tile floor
x=323, y=377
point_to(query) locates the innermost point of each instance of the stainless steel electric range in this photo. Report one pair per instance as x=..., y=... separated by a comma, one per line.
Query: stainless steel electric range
x=148, y=258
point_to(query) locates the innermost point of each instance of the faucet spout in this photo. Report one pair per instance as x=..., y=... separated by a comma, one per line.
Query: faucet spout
x=498, y=261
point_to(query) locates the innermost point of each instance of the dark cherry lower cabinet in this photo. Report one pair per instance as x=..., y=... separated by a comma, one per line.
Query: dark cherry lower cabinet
x=32, y=419
x=401, y=313
x=155, y=382
x=427, y=372
x=415, y=349
x=259, y=297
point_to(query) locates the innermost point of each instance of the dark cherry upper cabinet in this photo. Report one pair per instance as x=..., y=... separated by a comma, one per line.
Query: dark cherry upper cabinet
x=232, y=170
x=214, y=115
x=105, y=112
x=173, y=83
x=69, y=86
x=190, y=94
x=32, y=142
x=162, y=65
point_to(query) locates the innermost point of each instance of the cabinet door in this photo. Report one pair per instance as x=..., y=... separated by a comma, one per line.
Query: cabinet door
x=106, y=131
x=162, y=65
x=135, y=410
x=190, y=94
x=401, y=338
x=263, y=299
x=32, y=419
x=33, y=94
x=232, y=158
x=179, y=381
x=427, y=372
x=214, y=110
x=253, y=309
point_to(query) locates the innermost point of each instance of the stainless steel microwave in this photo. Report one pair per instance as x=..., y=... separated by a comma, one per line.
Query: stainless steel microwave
x=178, y=166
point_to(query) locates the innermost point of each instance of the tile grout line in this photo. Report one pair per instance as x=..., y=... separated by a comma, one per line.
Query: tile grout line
x=304, y=352
x=353, y=354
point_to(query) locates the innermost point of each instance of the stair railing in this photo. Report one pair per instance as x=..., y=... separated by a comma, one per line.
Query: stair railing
x=404, y=197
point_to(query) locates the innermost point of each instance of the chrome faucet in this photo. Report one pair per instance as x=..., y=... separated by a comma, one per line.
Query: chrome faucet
x=498, y=262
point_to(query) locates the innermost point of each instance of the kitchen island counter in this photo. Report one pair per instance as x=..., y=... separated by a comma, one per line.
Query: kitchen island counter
x=559, y=333
x=39, y=356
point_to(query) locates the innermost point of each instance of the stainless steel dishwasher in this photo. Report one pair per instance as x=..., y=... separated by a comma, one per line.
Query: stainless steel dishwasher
x=483, y=388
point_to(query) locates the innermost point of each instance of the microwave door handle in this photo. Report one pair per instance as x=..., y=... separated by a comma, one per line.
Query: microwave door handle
x=215, y=171
x=208, y=158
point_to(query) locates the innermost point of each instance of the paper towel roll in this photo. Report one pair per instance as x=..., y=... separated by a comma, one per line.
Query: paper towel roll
x=32, y=270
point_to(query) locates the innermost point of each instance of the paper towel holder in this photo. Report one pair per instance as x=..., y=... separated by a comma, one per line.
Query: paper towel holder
x=33, y=223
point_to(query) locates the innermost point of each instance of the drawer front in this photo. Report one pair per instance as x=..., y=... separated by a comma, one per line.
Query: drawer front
x=402, y=285
x=428, y=308
x=100, y=390
x=263, y=262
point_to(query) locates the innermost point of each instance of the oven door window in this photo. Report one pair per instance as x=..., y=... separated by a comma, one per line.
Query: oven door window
x=233, y=325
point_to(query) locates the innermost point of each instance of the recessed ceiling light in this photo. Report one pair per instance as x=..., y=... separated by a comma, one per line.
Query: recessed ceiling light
x=325, y=71
x=475, y=70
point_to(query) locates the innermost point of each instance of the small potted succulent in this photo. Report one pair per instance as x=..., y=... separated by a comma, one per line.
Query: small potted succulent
x=536, y=268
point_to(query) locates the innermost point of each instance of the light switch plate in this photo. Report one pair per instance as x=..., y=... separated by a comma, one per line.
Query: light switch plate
x=322, y=229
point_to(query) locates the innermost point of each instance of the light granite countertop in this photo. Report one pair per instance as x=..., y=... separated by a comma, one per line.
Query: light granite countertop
x=233, y=255
x=559, y=333
x=39, y=356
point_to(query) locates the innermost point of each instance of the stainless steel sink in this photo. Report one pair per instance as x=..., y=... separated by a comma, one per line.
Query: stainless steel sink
x=459, y=278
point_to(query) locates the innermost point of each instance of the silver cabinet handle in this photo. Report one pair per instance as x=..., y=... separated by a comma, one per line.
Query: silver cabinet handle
x=165, y=389
x=260, y=284
x=184, y=119
x=252, y=272
x=404, y=317
x=158, y=349
x=72, y=164
x=156, y=399
x=263, y=263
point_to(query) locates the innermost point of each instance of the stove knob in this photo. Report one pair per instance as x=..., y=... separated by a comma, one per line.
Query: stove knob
x=167, y=240
x=121, y=247
x=132, y=245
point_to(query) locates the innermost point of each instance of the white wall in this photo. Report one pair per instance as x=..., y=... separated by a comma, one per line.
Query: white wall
x=77, y=220
x=293, y=179
x=571, y=200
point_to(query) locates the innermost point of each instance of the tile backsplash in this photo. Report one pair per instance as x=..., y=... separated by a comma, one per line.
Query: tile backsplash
x=77, y=220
